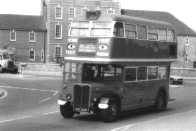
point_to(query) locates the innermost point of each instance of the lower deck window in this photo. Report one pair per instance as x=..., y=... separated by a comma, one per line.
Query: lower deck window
x=101, y=72
x=152, y=73
x=130, y=74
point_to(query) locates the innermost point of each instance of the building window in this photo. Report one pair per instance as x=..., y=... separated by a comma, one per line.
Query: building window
x=58, y=51
x=58, y=31
x=12, y=35
x=111, y=11
x=32, y=36
x=58, y=12
x=71, y=12
x=42, y=55
x=32, y=54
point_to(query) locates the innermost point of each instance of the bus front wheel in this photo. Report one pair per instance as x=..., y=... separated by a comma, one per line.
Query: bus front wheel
x=111, y=113
x=66, y=111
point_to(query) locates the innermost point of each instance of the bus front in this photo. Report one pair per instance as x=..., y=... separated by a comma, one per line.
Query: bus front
x=88, y=74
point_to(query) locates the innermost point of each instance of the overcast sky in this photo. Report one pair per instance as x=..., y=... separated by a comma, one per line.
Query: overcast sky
x=185, y=10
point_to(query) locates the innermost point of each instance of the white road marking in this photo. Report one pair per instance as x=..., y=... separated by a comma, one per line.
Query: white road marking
x=49, y=113
x=44, y=100
x=129, y=126
x=55, y=93
x=31, y=89
x=123, y=128
x=27, y=117
x=4, y=94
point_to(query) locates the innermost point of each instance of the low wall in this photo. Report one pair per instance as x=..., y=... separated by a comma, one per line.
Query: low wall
x=186, y=72
x=41, y=67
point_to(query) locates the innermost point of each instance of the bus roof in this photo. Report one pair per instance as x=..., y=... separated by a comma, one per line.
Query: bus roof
x=140, y=20
x=131, y=20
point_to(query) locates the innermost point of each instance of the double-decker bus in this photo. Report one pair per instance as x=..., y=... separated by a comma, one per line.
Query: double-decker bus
x=116, y=63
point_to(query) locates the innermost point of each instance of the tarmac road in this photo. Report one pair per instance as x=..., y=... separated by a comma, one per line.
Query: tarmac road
x=31, y=106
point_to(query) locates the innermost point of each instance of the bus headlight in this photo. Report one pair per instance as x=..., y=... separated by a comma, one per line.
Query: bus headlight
x=61, y=102
x=103, y=47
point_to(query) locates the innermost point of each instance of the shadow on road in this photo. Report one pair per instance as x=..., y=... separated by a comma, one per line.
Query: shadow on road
x=126, y=115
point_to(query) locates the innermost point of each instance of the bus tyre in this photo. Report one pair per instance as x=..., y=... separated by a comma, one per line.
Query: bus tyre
x=110, y=114
x=161, y=102
x=66, y=111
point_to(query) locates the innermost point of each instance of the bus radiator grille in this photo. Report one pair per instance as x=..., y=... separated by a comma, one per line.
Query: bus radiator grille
x=81, y=97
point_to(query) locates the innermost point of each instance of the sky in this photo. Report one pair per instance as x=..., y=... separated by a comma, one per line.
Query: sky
x=184, y=10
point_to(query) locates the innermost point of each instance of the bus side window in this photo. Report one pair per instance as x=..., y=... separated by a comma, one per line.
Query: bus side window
x=170, y=36
x=130, y=31
x=130, y=74
x=152, y=72
x=118, y=30
x=162, y=72
x=142, y=32
x=142, y=73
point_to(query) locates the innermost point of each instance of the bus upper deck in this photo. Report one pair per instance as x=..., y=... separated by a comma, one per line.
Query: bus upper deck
x=121, y=38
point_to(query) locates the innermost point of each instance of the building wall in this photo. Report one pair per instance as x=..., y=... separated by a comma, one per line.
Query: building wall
x=79, y=7
x=186, y=51
x=22, y=45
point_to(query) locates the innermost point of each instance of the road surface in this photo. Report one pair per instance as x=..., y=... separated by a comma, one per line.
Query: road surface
x=31, y=106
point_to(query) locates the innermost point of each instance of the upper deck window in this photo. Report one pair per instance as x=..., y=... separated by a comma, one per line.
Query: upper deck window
x=93, y=29
x=142, y=32
x=79, y=32
x=100, y=32
x=118, y=29
x=152, y=34
x=170, y=36
x=130, y=31
x=162, y=33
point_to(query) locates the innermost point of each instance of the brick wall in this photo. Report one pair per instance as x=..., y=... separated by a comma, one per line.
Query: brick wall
x=22, y=44
x=186, y=51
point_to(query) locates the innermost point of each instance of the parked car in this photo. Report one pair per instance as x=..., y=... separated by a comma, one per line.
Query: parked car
x=176, y=80
x=7, y=64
